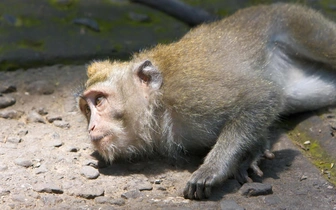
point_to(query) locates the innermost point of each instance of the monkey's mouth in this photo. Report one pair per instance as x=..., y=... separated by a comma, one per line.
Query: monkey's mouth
x=96, y=138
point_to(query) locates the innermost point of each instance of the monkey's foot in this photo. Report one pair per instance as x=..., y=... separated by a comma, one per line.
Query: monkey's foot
x=242, y=175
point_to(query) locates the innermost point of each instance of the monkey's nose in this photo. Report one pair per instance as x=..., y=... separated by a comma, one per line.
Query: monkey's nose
x=91, y=128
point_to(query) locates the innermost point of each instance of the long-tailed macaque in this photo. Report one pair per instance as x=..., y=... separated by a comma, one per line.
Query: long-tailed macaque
x=220, y=87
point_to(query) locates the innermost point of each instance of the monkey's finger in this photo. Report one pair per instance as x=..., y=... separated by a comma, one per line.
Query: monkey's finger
x=256, y=169
x=268, y=154
x=189, y=191
x=200, y=189
x=207, y=190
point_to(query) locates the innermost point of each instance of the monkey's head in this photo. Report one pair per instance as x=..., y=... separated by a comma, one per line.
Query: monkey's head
x=118, y=103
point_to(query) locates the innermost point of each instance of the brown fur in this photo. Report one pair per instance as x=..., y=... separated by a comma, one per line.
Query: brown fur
x=221, y=86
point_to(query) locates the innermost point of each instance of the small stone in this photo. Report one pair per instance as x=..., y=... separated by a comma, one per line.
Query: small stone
x=6, y=101
x=42, y=111
x=162, y=188
x=106, y=200
x=157, y=181
x=139, y=17
x=56, y=143
x=117, y=202
x=272, y=200
x=18, y=198
x=72, y=149
x=10, y=19
x=89, y=172
x=3, y=167
x=4, y=192
x=7, y=89
x=303, y=177
x=41, y=169
x=22, y=132
x=35, y=117
x=145, y=186
x=61, y=124
x=11, y=114
x=48, y=188
x=90, y=23
x=52, y=118
x=55, y=135
x=23, y=162
x=14, y=140
x=255, y=189
x=101, y=200
x=93, y=163
x=131, y=194
x=90, y=192
x=40, y=87
x=230, y=205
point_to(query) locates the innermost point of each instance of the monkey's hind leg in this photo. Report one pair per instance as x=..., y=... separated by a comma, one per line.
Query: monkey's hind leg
x=308, y=34
x=252, y=162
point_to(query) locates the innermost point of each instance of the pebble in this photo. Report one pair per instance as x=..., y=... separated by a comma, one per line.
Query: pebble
x=23, y=162
x=6, y=101
x=3, y=167
x=117, y=202
x=52, y=118
x=230, y=205
x=255, y=189
x=90, y=23
x=145, y=186
x=4, y=192
x=14, y=139
x=35, y=117
x=131, y=194
x=162, y=188
x=11, y=114
x=157, y=181
x=48, y=188
x=101, y=200
x=272, y=200
x=40, y=170
x=72, y=149
x=90, y=192
x=10, y=19
x=89, y=172
x=93, y=163
x=22, y=132
x=7, y=89
x=61, y=124
x=106, y=200
x=42, y=111
x=41, y=87
x=56, y=143
x=18, y=198
x=137, y=17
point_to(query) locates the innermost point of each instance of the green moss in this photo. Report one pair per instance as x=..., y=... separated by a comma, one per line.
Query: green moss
x=315, y=153
x=31, y=44
x=63, y=6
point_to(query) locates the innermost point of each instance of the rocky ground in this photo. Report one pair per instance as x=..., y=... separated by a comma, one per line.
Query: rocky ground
x=46, y=159
x=47, y=162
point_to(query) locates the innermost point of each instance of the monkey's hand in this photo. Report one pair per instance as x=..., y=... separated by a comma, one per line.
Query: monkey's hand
x=201, y=181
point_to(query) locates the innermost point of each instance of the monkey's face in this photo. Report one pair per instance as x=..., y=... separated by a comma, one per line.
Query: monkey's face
x=104, y=112
x=118, y=105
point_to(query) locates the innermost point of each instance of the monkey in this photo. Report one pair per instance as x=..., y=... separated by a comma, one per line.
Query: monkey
x=220, y=87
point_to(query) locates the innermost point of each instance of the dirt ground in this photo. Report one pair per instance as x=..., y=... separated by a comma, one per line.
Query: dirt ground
x=47, y=162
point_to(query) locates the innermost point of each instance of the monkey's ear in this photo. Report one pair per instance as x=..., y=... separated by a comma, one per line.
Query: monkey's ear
x=149, y=75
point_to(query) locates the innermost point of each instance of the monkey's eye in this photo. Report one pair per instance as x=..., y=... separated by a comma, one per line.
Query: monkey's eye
x=99, y=100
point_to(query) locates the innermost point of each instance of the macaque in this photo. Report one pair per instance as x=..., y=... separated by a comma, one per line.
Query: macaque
x=219, y=87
